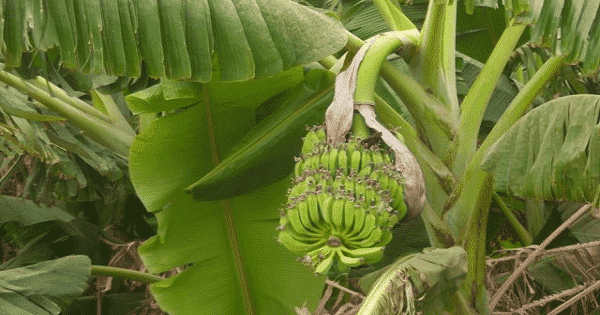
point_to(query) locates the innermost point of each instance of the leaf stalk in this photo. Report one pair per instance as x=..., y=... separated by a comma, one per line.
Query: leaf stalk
x=125, y=273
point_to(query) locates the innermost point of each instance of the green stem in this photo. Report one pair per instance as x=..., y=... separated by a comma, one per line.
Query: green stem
x=57, y=92
x=112, y=110
x=424, y=155
x=475, y=240
x=359, y=127
x=449, y=57
x=473, y=174
x=427, y=111
x=383, y=6
x=521, y=102
x=328, y=61
x=476, y=206
x=102, y=132
x=368, y=72
x=438, y=232
x=526, y=238
x=428, y=67
x=460, y=305
x=125, y=273
x=393, y=16
x=389, y=117
x=476, y=100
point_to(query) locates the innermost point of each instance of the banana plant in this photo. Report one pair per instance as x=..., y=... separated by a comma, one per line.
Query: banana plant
x=215, y=153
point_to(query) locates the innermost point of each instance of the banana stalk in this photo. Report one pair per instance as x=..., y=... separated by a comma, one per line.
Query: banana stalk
x=364, y=182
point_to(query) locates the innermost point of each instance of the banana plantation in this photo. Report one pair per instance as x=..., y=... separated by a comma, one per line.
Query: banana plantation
x=302, y=157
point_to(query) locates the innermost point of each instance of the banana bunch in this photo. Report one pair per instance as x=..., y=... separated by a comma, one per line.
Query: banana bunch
x=343, y=202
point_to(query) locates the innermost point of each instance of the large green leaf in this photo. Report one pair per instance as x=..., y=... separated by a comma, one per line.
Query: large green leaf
x=238, y=267
x=232, y=106
x=41, y=288
x=553, y=152
x=177, y=39
x=251, y=165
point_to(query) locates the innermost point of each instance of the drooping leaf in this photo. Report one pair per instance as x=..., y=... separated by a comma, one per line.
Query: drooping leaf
x=62, y=162
x=27, y=213
x=505, y=91
x=567, y=27
x=175, y=39
x=551, y=153
x=265, y=154
x=41, y=288
x=401, y=287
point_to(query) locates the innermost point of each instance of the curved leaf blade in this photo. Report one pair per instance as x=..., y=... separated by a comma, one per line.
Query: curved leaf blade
x=265, y=154
x=550, y=153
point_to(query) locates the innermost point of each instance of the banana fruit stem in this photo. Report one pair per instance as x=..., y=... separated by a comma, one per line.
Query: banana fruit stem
x=359, y=127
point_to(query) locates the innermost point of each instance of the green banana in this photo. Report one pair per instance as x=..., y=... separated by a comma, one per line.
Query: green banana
x=343, y=161
x=359, y=219
x=371, y=240
x=398, y=196
x=360, y=187
x=377, y=158
x=314, y=160
x=310, y=143
x=323, y=266
x=370, y=194
x=365, y=162
x=297, y=236
x=293, y=217
x=297, y=190
x=324, y=158
x=349, y=213
x=350, y=261
x=383, y=180
x=320, y=132
x=313, y=210
x=348, y=183
x=326, y=207
x=295, y=245
x=383, y=217
x=366, y=229
x=303, y=210
x=386, y=237
x=299, y=167
x=337, y=213
x=355, y=160
x=333, y=161
x=345, y=198
x=370, y=254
